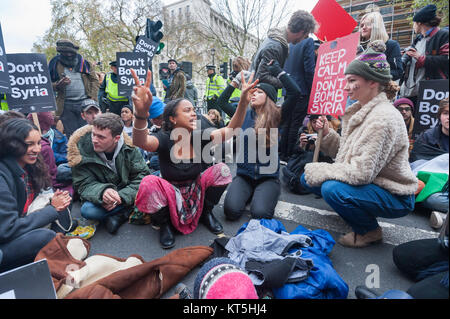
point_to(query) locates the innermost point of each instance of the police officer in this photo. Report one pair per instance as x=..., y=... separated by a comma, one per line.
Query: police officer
x=215, y=84
x=108, y=94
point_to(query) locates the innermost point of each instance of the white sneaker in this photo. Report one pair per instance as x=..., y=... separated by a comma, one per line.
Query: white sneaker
x=436, y=219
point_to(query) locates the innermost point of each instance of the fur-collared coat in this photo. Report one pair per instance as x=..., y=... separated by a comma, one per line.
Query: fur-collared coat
x=91, y=176
x=373, y=149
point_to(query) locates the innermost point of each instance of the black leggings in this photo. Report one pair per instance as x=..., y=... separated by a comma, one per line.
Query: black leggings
x=262, y=193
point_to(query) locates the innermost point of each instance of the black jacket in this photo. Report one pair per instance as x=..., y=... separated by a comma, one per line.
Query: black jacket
x=13, y=197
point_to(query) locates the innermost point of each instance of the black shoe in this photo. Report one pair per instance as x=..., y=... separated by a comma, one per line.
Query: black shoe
x=166, y=238
x=362, y=292
x=112, y=223
x=211, y=222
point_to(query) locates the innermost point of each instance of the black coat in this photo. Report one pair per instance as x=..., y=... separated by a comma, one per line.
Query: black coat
x=13, y=197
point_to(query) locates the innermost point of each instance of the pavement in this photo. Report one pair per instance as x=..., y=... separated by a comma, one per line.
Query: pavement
x=371, y=266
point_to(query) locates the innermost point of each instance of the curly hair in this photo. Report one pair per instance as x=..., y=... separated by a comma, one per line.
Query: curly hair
x=13, y=133
x=302, y=21
x=391, y=88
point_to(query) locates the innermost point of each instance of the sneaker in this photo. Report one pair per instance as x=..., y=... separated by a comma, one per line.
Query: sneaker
x=436, y=219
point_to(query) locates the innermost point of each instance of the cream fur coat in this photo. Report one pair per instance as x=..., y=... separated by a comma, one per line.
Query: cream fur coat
x=373, y=148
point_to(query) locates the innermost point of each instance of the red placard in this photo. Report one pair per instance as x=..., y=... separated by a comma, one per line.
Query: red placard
x=327, y=94
x=333, y=20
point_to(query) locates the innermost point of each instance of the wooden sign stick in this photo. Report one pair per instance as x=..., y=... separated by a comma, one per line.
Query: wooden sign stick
x=36, y=122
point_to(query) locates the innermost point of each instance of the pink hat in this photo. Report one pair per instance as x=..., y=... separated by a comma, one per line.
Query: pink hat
x=404, y=100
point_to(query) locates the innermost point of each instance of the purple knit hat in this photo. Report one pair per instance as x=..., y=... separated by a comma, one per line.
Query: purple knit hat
x=221, y=278
x=404, y=100
x=45, y=119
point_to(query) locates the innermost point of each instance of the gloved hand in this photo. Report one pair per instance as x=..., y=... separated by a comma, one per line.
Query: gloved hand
x=274, y=68
x=237, y=79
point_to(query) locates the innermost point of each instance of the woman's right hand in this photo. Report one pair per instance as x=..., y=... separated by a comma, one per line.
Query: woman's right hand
x=61, y=200
x=142, y=96
x=321, y=123
x=303, y=140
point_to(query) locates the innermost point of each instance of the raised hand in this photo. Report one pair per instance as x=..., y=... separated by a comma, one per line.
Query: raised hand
x=142, y=96
x=248, y=87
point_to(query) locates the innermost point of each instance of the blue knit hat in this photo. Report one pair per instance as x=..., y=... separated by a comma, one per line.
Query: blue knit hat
x=157, y=107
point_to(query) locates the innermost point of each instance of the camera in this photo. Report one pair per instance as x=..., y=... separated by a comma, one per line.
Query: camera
x=406, y=58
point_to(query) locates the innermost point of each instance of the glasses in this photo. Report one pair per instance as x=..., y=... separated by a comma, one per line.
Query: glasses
x=406, y=109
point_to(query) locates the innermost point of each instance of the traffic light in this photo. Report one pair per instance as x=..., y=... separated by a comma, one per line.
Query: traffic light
x=224, y=70
x=152, y=30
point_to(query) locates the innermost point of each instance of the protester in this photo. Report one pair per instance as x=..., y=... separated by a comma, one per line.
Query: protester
x=406, y=107
x=276, y=45
x=74, y=79
x=300, y=64
x=256, y=181
x=176, y=82
x=371, y=176
x=229, y=98
x=427, y=58
x=126, y=114
x=215, y=84
x=108, y=93
x=214, y=117
x=372, y=28
x=23, y=175
x=106, y=170
x=182, y=178
x=90, y=110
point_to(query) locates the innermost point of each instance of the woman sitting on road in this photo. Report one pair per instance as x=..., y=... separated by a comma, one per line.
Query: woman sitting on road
x=185, y=194
x=371, y=176
x=23, y=175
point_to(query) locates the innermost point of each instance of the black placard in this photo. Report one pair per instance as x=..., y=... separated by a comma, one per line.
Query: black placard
x=146, y=45
x=31, y=87
x=431, y=92
x=125, y=62
x=4, y=78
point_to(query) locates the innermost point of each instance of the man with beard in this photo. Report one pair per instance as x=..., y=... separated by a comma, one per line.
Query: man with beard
x=74, y=80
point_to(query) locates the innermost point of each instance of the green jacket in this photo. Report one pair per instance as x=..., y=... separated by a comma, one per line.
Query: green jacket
x=91, y=176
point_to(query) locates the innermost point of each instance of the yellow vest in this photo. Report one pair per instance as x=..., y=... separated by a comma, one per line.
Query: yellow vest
x=236, y=94
x=112, y=90
x=214, y=87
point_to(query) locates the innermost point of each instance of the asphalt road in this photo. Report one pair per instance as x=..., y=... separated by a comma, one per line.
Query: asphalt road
x=372, y=265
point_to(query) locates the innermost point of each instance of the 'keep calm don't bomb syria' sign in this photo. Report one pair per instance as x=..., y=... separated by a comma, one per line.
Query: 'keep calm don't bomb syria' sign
x=327, y=95
x=31, y=87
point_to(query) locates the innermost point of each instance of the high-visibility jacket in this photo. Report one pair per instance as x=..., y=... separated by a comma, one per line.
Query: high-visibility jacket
x=214, y=86
x=236, y=94
x=4, y=103
x=112, y=90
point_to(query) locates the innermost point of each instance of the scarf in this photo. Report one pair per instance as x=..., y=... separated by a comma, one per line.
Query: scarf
x=82, y=66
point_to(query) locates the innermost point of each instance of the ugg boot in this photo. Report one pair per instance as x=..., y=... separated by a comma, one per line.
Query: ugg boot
x=161, y=219
x=358, y=241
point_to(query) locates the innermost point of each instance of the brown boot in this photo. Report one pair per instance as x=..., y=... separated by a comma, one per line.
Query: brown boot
x=358, y=241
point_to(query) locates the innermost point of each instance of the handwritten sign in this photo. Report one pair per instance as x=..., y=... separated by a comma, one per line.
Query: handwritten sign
x=327, y=95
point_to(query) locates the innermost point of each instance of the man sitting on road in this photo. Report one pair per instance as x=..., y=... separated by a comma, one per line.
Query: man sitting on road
x=106, y=170
x=90, y=110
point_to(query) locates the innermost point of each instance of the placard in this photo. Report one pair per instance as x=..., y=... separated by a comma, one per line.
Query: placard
x=431, y=92
x=146, y=45
x=126, y=61
x=5, y=87
x=327, y=94
x=31, y=87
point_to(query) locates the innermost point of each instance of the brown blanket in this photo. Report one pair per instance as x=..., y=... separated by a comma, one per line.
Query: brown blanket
x=107, y=277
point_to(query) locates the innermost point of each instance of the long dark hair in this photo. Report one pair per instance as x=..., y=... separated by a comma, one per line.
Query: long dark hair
x=13, y=133
x=170, y=110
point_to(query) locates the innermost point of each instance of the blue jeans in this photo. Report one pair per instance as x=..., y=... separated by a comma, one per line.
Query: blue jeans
x=95, y=212
x=360, y=206
x=437, y=201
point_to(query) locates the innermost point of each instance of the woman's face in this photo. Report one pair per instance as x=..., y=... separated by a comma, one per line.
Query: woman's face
x=212, y=115
x=444, y=118
x=365, y=28
x=357, y=87
x=185, y=116
x=33, y=142
x=258, y=98
x=126, y=114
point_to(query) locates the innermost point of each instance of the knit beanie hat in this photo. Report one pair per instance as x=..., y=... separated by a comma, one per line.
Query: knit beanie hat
x=425, y=14
x=222, y=278
x=65, y=45
x=269, y=90
x=45, y=120
x=404, y=100
x=157, y=108
x=372, y=64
